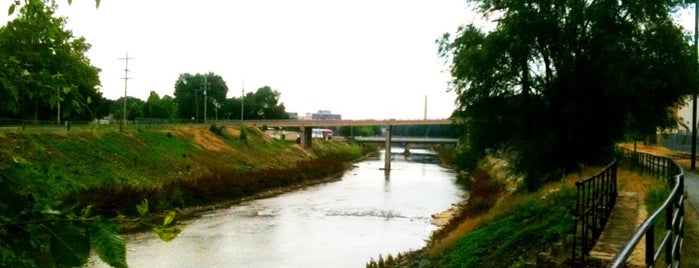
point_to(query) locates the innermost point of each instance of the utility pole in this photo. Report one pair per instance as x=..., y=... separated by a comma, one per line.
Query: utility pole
x=426, y=104
x=242, y=100
x=205, y=98
x=126, y=79
x=694, y=96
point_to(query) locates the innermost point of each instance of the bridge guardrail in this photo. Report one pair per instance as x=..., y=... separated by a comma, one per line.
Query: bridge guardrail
x=596, y=197
x=673, y=208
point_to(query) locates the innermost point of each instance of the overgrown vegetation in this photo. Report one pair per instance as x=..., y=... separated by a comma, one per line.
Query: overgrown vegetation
x=511, y=228
x=509, y=241
x=225, y=183
x=44, y=231
x=69, y=185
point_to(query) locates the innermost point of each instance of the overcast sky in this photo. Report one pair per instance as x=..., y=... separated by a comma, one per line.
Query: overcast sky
x=360, y=58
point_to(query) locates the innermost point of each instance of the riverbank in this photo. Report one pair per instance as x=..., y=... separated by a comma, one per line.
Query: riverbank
x=533, y=228
x=338, y=224
x=182, y=168
x=190, y=212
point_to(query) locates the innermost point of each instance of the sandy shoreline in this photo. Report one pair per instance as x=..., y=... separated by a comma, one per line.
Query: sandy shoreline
x=441, y=219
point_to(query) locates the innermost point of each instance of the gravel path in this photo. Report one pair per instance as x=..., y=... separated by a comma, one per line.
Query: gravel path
x=691, y=187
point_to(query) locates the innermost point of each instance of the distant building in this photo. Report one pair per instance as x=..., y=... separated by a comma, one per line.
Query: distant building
x=684, y=116
x=325, y=115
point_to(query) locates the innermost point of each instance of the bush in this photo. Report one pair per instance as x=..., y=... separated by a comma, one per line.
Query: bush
x=218, y=130
x=243, y=134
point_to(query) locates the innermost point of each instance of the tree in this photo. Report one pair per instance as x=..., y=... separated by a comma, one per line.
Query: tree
x=264, y=104
x=359, y=131
x=134, y=108
x=45, y=70
x=189, y=94
x=425, y=131
x=155, y=107
x=230, y=109
x=41, y=66
x=557, y=83
x=18, y=4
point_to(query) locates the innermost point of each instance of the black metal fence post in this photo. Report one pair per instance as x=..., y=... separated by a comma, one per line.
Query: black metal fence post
x=595, y=198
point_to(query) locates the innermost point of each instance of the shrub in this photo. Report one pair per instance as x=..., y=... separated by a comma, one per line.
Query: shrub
x=218, y=130
x=243, y=134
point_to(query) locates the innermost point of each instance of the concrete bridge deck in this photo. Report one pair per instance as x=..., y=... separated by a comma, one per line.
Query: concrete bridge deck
x=339, y=123
x=308, y=125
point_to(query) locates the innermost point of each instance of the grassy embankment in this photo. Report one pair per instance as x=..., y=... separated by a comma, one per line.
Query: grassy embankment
x=501, y=226
x=172, y=167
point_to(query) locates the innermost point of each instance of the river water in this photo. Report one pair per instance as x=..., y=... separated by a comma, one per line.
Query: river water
x=338, y=224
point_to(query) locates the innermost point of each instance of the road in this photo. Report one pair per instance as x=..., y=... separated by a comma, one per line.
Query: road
x=691, y=187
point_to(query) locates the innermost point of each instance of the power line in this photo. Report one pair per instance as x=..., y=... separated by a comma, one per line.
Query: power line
x=126, y=79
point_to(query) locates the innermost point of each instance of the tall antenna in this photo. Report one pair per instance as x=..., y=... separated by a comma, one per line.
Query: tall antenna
x=126, y=79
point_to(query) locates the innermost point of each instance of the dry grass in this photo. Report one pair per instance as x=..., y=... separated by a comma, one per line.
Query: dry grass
x=202, y=137
x=690, y=252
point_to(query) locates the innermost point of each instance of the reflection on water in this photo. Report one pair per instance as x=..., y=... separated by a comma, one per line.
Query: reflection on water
x=339, y=224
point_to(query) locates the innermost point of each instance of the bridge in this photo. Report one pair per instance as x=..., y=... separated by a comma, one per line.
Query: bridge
x=308, y=125
x=340, y=123
x=407, y=139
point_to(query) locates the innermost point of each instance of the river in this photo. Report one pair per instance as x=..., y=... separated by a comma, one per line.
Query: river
x=338, y=224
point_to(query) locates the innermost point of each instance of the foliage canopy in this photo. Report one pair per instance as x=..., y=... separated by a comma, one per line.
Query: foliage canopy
x=44, y=68
x=558, y=82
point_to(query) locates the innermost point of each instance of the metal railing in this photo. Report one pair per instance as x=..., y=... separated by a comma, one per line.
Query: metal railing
x=672, y=209
x=596, y=197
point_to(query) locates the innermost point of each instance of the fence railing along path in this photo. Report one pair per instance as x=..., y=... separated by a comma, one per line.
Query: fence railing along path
x=596, y=197
x=670, y=240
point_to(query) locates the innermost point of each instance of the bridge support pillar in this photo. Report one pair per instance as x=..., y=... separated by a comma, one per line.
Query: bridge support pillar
x=307, y=137
x=387, y=160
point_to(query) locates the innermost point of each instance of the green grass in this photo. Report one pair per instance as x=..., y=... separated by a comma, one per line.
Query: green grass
x=507, y=241
x=173, y=167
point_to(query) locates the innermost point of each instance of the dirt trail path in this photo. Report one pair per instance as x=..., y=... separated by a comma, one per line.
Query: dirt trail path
x=691, y=177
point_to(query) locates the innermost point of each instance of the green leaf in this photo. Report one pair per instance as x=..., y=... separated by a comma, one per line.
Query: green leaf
x=86, y=211
x=70, y=246
x=70, y=2
x=11, y=9
x=12, y=201
x=20, y=160
x=107, y=243
x=142, y=208
x=97, y=3
x=167, y=234
x=169, y=217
